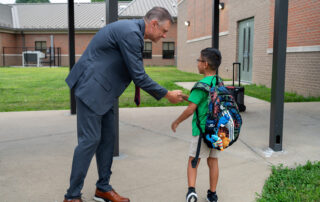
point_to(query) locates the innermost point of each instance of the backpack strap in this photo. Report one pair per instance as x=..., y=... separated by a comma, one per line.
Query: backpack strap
x=194, y=161
x=205, y=87
x=201, y=86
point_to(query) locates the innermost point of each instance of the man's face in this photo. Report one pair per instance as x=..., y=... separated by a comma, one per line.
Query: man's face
x=159, y=30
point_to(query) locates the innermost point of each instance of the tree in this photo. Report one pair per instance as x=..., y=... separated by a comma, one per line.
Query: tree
x=32, y=1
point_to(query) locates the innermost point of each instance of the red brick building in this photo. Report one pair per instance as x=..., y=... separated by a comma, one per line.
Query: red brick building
x=246, y=36
x=38, y=27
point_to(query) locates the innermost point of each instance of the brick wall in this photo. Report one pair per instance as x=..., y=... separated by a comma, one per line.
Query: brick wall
x=81, y=42
x=302, y=68
x=6, y=39
x=188, y=50
x=303, y=23
x=303, y=73
x=199, y=13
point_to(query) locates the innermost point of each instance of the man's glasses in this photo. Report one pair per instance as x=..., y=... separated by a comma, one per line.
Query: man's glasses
x=199, y=60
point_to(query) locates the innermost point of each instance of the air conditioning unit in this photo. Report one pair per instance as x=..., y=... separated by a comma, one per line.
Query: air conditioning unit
x=31, y=58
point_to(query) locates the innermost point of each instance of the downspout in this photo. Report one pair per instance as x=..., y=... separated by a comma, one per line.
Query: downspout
x=52, y=53
x=23, y=41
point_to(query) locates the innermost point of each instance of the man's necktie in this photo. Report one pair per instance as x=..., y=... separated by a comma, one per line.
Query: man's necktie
x=137, y=96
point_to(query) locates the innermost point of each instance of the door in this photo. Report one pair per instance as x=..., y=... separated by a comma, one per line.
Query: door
x=245, y=50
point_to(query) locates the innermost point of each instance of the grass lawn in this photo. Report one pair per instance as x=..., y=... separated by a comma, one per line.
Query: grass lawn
x=264, y=93
x=299, y=184
x=25, y=89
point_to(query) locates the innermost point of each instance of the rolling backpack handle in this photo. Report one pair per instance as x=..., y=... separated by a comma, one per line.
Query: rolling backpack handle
x=236, y=63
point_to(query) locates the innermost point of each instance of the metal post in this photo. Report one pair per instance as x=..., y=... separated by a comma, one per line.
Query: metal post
x=71, y=50
x=112, y=16
x=59, y=57
x=3, y=57
x=278, y=74
x=215, y=23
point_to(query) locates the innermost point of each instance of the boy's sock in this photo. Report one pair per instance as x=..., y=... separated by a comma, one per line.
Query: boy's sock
x=191, y=189
x=212, y=196
x=191, y=195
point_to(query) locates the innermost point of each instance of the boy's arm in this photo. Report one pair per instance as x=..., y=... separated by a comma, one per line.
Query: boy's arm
x=185, y=114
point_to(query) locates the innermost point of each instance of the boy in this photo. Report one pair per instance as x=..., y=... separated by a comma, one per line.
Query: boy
x=208, y=63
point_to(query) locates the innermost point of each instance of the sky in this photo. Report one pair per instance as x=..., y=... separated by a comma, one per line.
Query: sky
x=52, y=1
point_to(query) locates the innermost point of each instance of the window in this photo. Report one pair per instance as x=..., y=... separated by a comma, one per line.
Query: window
x=41, y=46
x=168, y=50
x=147, y=51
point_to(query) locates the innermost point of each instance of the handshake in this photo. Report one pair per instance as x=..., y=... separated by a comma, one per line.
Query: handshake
x=176, y=96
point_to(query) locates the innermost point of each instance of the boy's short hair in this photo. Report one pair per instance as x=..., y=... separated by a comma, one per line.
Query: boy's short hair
x=212, y=56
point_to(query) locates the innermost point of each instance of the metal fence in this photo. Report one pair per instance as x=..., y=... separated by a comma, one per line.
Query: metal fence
x=29, y=56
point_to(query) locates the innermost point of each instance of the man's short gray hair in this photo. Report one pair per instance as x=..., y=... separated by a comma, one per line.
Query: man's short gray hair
x=158, y=13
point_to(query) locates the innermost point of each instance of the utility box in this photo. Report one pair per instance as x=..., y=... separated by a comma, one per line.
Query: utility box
x=31, y=58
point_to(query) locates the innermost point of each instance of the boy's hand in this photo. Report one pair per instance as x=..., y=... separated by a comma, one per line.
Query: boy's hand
x=185, y=97
x=174, y=125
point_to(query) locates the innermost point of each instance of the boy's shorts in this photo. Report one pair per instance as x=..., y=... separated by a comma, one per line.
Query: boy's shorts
x=205, y=151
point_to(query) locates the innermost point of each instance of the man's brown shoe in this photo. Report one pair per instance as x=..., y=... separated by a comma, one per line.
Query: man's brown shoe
x=109, y=196
x=73, y=200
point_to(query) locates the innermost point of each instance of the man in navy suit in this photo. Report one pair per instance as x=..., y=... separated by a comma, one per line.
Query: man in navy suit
x=111, y=61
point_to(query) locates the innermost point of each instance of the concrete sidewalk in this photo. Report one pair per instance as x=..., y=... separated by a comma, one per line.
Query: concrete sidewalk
x=36, y=150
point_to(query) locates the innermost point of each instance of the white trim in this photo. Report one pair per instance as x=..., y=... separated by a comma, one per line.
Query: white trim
x=180, y=2
x=207, y=37
x=11, y=55
x=64, y=55
x=161, y=56
x=199, y=39
x=298, y=49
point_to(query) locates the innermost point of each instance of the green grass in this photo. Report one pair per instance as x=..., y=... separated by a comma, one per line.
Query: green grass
x=25, y=89
x=299, y=184
x=264, y=93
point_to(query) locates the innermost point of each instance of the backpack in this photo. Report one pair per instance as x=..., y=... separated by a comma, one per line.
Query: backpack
x=223, y=120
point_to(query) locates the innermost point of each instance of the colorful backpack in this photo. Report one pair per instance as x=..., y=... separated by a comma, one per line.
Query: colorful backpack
x=223, y=118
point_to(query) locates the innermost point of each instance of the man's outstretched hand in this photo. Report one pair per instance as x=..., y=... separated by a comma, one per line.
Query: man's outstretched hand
x=174, y=96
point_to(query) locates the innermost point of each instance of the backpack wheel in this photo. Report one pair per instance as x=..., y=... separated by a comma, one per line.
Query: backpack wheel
x=242, y=108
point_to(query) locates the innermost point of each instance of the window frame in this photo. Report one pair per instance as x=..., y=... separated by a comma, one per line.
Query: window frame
x=167, y=52
x=147, y=54
x=42, y=48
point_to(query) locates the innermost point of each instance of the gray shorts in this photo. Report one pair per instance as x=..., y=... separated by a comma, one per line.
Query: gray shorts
x=205, y=151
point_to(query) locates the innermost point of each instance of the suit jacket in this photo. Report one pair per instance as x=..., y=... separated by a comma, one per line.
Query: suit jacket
x=111, y=61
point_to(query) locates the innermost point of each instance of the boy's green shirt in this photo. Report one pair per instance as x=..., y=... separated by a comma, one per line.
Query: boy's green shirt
x=200, y=98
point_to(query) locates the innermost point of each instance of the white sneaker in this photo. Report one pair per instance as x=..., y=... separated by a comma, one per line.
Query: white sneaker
x=192, y=196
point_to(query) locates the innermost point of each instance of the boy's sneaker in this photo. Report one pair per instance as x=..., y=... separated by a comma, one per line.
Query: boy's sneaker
x=212, y=196
x=192, y=196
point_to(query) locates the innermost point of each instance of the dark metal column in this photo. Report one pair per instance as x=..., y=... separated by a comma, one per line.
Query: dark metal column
x=3, y=57
x=71, y=50
x=112, y=16
x=215, y=23
x=278, y=74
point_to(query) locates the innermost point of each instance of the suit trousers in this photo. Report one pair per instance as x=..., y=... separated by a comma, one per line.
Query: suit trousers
x=96, y=135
